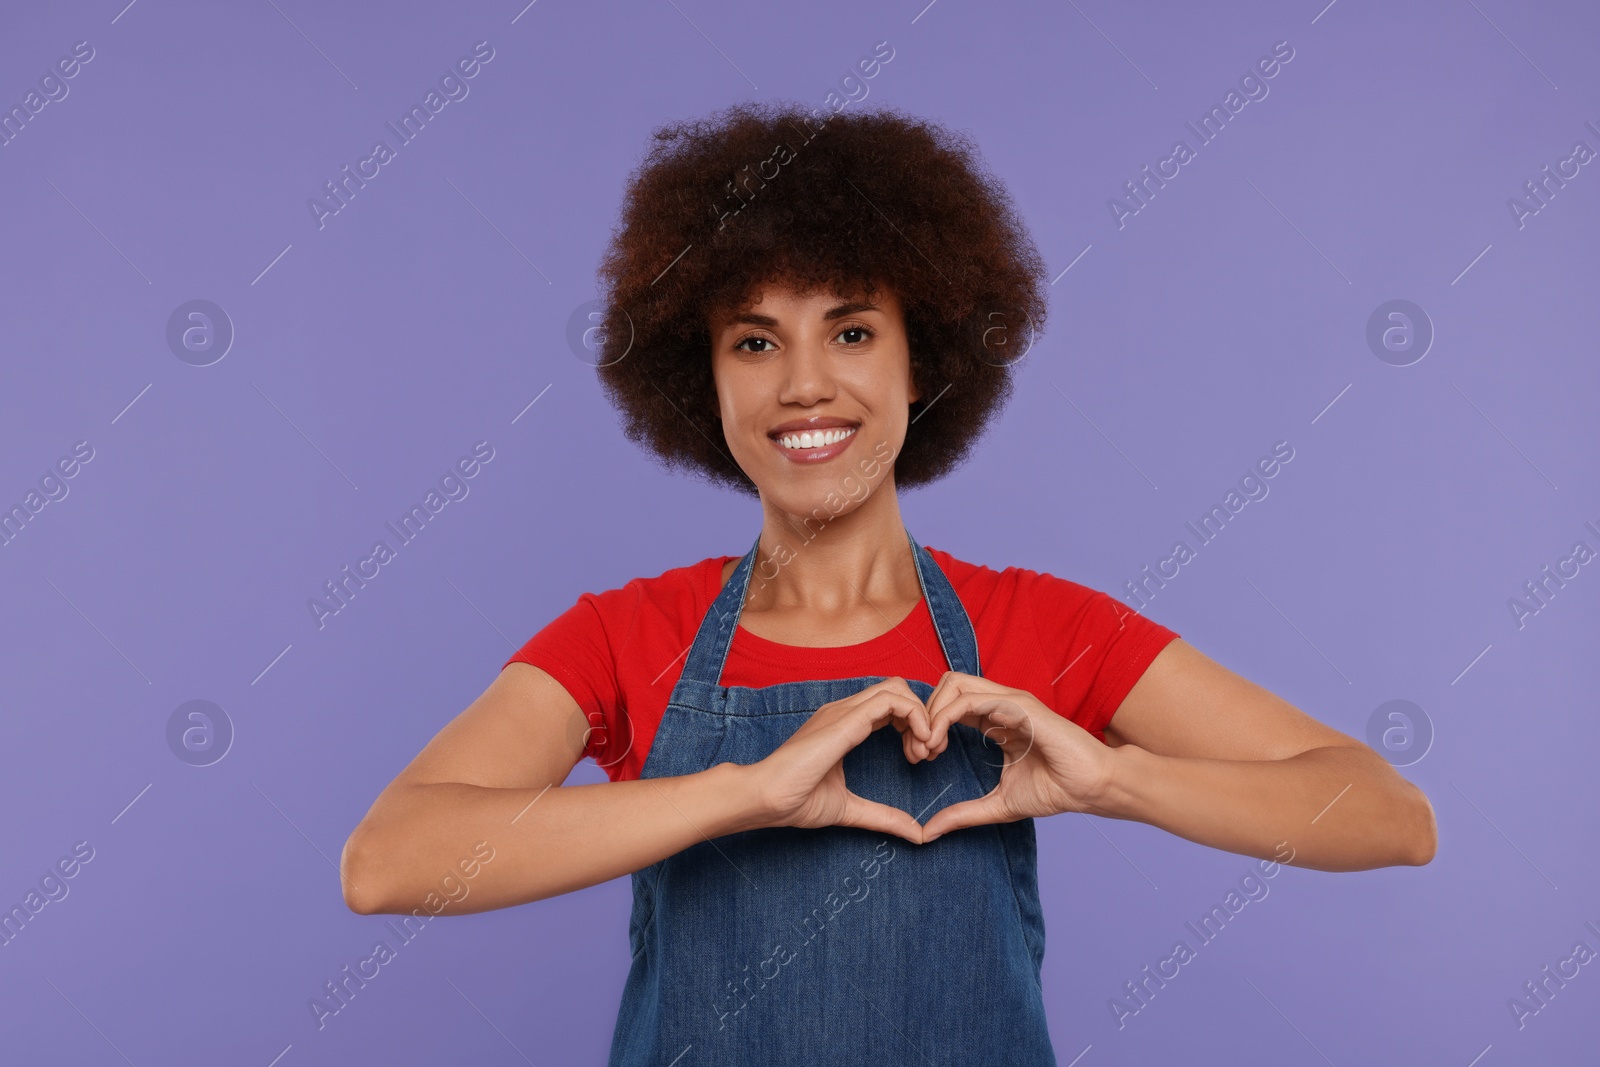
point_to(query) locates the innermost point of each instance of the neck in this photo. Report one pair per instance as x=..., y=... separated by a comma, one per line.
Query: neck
x=832, y=565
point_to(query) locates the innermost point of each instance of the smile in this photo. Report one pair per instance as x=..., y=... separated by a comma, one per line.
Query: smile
x=814, y=446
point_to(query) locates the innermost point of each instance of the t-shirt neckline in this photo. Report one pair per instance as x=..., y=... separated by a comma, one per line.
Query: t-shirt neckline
x=910, y=630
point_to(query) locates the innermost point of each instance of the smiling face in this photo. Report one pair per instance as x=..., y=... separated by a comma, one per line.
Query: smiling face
x=814, y=392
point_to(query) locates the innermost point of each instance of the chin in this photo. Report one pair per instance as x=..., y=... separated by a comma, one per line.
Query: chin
x=820, y=507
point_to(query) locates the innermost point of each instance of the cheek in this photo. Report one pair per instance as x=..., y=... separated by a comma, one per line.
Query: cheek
x=738, y=417
x=730, y=390
x=890, y=390
x=725, y=406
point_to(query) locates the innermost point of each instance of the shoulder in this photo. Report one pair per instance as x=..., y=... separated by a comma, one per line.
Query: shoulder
x=641, y=617
x=690, y=587
x=981, y=586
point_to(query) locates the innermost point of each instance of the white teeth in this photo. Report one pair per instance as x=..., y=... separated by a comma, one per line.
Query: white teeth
x=815, y=439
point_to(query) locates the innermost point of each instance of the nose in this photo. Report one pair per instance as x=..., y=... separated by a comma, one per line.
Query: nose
x=808, y=378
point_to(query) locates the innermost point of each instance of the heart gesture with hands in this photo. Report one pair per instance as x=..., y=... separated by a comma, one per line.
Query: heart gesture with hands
x=802, y=782
x=1051, y=763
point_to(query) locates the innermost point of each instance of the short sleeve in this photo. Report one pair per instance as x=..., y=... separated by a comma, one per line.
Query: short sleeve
x=1102, y=645
x=575, y=650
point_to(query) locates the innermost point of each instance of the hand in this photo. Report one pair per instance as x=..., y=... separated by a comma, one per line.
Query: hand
x=1051, y=763
x=802, y=782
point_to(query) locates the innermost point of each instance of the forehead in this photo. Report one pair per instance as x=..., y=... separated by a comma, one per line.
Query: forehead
x=769, y=303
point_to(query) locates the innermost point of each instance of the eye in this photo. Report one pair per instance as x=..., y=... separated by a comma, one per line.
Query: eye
x=864, y=334
x=739, y=345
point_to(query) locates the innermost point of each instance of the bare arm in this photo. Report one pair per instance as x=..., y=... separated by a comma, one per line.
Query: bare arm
x=1213, y=757
x=491, y=780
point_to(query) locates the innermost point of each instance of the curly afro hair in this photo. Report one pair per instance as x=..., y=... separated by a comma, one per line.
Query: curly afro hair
x=761, y=193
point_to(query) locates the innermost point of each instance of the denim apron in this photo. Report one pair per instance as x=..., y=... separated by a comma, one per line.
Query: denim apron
x=835, y=945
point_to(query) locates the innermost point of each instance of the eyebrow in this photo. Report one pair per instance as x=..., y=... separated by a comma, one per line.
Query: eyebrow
x=839, y=312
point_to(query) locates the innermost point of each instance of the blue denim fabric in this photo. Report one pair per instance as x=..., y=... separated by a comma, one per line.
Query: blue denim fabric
x=834, y=945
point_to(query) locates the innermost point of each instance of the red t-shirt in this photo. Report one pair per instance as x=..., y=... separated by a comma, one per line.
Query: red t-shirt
x=619, y=653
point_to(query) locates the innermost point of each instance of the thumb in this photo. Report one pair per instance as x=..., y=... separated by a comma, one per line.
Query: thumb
x=871, y=815
x=978, y=812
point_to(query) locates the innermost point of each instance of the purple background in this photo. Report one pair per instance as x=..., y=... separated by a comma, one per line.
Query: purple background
x=1230, y=313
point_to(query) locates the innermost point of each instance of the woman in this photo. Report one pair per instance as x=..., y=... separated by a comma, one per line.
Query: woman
x=826, y=754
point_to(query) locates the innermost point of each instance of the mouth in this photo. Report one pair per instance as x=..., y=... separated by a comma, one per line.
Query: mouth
x=814, y=445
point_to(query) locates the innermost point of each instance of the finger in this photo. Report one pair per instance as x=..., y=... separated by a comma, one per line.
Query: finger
x=916, y=737
x=958, y=816
x=849, y=722
x=948, y=682
x=896, y=684
x=918, y=720
x=1004, y=722
x=1011, y=727
x=871, y=815
x=945, y=703
x=916, y=750
x=831, y=732
x=902, y=707
x=1000, y=719
x=863, y=712
x=911, y=715
x=952, y=704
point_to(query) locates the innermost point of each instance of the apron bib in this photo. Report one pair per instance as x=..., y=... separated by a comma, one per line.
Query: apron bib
x=834, y=945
